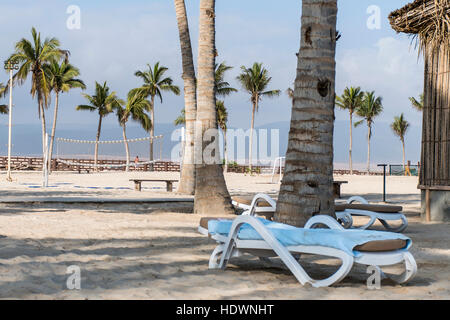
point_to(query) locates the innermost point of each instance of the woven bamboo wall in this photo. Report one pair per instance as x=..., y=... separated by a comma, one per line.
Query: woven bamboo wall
x=436, y=119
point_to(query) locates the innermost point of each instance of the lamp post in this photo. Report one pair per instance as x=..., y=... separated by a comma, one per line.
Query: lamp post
x=10, y=66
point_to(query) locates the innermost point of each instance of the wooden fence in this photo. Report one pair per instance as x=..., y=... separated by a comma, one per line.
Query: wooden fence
x=35, y=164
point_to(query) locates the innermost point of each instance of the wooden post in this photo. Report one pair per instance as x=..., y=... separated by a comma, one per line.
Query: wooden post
x=428, y=206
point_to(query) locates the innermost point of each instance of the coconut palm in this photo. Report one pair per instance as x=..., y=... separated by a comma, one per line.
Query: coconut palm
x=154, y=84
x=211, y=194
x=103, y=102
x=307, y=186
x=31, y=57
x=255, y=81
x=223, y=88
x=61, y=77
x=135, y=107
x=181, y=120
x=222, y=121
x=417, y=104
x=371, y=107
x=187, y=179
x=400, y=126
x=350, y=100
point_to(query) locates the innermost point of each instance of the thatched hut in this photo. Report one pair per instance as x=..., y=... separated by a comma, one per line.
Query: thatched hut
x=428, y=21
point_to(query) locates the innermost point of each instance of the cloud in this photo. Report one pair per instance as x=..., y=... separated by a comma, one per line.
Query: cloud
x=390, y=67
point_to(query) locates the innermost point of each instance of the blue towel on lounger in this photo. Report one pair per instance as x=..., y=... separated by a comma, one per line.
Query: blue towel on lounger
x=287, y=235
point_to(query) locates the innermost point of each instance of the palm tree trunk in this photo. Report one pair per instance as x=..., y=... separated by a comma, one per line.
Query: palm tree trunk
x=351, y=143
x=404, y=157
x=211, y=194
x=127, y=148
x=97, y=139
x=307, y=187
x=44, y=130
x=252, y=126
x=369, y=134
x=152, y=129
x=52, y=137
x=225, y=151
x=187, y=179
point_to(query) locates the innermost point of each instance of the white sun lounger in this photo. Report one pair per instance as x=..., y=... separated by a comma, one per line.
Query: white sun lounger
x=266, y=206
x=265, y=244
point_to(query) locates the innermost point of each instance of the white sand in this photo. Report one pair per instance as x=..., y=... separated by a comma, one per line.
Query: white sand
x=124, y=252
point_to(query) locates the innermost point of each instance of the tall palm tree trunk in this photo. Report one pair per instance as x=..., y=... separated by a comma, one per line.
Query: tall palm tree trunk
x=97, y=139
x=187, y=179
x=252, y=127
x=225, y=151
x=52, y=137
x=152, y=129
x=307, y=187
x=404, y=156
x=211, y=194
x=369, y=134
x=351, y=143
x=127, y=148
x=44, y=130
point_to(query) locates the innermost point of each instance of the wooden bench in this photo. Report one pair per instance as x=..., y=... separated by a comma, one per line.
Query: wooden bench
x=337, y=188
x=138, y=183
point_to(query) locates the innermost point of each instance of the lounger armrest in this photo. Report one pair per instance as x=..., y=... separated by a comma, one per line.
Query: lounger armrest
x=257, y=198
x=357, y=199
x=324, y=220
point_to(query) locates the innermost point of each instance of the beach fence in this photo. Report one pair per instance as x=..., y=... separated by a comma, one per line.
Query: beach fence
x=35, y=164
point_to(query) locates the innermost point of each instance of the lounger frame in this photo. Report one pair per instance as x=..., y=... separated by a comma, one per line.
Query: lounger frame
x=346, y=216
x=232, y=246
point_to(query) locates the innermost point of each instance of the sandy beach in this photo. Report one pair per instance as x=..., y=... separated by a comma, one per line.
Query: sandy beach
x=131, y=251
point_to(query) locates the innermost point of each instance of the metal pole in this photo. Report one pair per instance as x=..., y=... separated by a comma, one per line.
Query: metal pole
x=384, y=180
x=8, y=177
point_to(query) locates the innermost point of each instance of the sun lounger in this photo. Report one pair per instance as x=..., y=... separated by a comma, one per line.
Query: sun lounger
x=248, y=234
x=266, y=206
x=383, y=213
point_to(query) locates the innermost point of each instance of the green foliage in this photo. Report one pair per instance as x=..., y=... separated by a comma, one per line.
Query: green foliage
x=104, y=102
x=255, y=81
x=32, y=56
x=155, y=82
x=400, y=126
x=351, y=99
x=418, y=105
x=370, y=108
x=61, y=77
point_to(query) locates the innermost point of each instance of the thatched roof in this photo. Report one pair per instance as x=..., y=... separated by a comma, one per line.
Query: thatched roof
x=427, y=19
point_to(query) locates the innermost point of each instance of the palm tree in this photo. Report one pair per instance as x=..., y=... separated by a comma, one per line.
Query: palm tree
x=61, y=77
x=370, y=108
x=32, y=56
x=222, y=120
x=223, y=88
x=400, y=127
x=211, y=194
x=103, y=102
x=350, y=100
x=417, y=104
x=187, y=179
x=307, y=186
x=135, y=107
x=255, y=81
x=154, y=84
x=181, y=120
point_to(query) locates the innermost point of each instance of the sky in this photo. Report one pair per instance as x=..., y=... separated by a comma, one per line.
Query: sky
x=119, y=37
